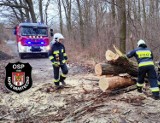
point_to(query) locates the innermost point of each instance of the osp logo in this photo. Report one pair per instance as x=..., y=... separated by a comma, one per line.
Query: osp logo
x=18, y=77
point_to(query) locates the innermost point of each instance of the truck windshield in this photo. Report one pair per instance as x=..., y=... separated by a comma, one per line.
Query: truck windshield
x=27, y=31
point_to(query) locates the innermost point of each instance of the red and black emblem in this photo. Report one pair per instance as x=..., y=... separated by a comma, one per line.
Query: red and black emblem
x=18, y=76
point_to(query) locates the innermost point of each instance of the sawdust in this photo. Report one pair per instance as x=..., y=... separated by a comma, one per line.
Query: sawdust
x=81, y=102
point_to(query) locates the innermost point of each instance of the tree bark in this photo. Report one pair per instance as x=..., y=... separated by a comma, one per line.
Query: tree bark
x=68, y=8
x=81, y=24
x=109, y=69
x=117, y=63
x=46, y=14
x=113, y=11
x=41, y=11
x=31, y=9
x=116, y=59
x=115, y=82
x=122, y=20
x=151, y=8
x=144, y=18
x=60, y=15
x=119, y=58
x=139, y=11
x=21, y=11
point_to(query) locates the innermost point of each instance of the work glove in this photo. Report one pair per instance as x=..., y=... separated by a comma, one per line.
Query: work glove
x=56, y=64
x=64, y=61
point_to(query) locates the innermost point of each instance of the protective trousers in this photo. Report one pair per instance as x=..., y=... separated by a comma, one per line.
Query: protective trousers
x=56, y=73
x=159, y=76
x=152, y=77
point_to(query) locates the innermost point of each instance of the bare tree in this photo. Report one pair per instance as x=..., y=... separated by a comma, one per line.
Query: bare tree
x=81, y=24
x=113, y=10
x=122, y=19
x=31, y=9
x=46, y=14
x=139, y=11
x=41, y=11
x=67, y=8
x=17, y=7
x=60, y=16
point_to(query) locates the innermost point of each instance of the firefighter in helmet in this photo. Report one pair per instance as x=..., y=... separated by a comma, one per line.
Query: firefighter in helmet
x=58, y=57
x=144, y=58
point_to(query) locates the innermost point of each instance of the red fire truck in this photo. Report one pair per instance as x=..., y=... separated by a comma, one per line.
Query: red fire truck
x=32, y=38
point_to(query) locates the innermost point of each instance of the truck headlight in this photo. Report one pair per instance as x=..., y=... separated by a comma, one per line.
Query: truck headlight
x=48, y=47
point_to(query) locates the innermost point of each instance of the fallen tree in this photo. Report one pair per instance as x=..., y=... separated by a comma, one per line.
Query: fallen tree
x=117, y=63
x=115, y=82
x=119, y=58
x=112, y=69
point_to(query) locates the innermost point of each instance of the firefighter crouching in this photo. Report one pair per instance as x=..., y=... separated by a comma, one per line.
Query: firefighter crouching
x=144, y=58
x=58, y=57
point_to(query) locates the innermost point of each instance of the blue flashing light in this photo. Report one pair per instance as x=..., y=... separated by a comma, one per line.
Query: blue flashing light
x=29, y=42
x=42, y=42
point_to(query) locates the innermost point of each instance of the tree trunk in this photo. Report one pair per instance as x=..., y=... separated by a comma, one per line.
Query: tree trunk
x=144, y=18
x=31, y=9
x=117, y=64
x=109, y=69
x=60, y=16
x=115, y=82
x=151, y=8
x=113, y=11
x=68, y=8
x=116, y=59
x=157, y=8
x=119, y=58
x=96, y=17
x=41, y=11
x=139, y=11
x=21, y=12
x=46, y=14
x=81, y=24
x=122, y=20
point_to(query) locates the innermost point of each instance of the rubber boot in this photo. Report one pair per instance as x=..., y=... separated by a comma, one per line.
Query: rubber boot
x=139, y=89
x=155, y=95
x=57, y=86
x=62, y=80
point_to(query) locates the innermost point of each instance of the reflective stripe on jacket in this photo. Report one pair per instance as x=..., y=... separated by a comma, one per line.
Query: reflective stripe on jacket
x=143, y=56
x=57, y=53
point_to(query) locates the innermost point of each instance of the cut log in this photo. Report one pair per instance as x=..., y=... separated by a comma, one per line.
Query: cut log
x=109, y=69
x=115, y=82
x=111, y=56
x=118, y=58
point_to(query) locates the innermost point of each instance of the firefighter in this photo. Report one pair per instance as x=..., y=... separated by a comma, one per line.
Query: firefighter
x=144, y=58
x=58, y=57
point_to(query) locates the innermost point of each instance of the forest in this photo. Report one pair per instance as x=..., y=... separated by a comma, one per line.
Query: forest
x=101, y=85
x=90, y=26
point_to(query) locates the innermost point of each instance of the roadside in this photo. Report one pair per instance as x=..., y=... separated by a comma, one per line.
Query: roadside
x=82, y=102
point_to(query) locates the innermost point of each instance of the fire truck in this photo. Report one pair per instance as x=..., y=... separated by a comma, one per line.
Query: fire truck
x=32, y=38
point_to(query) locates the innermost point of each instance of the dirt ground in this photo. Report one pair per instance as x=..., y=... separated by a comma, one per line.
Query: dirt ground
x=81, y=102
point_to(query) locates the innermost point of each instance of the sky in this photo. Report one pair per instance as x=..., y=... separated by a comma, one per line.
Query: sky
x=53, y=17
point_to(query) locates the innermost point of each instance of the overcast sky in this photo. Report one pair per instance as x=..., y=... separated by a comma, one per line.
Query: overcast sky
x=52, y=13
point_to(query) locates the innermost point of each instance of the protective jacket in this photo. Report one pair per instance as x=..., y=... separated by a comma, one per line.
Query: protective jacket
x=57, y=53
x=144, y=56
